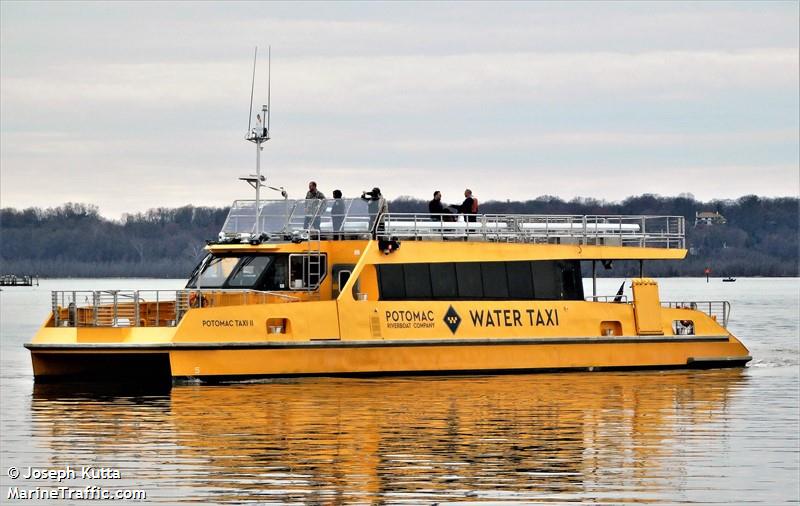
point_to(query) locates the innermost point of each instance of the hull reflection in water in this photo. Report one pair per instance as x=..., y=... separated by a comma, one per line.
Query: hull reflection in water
x=613, y=437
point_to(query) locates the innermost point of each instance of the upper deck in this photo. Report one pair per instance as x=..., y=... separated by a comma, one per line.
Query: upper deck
x=358, y=218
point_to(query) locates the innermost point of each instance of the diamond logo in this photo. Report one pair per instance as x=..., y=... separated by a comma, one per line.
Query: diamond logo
x=452, y=320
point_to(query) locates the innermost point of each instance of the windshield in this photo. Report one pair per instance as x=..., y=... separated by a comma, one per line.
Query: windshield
x=229, y=271
x=248, y=271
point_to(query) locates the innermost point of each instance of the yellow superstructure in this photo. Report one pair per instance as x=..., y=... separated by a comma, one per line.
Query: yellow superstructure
x=398, y=299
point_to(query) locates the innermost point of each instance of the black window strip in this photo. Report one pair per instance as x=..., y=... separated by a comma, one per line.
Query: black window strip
x=549, y=280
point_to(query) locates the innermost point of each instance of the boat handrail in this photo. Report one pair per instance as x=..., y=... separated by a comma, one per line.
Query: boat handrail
x=147, y=308
x=719, y=310
x=359, y=218
x=621, y=299
x=617, y=230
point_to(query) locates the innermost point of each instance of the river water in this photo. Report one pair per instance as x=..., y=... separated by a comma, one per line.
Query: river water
x=709, y=437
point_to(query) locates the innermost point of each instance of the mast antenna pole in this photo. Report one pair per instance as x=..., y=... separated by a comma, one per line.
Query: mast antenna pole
x=258, y=136
x=252, y=87
x=269, y=85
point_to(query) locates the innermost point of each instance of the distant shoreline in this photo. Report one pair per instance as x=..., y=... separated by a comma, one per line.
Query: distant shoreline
x=749, y=237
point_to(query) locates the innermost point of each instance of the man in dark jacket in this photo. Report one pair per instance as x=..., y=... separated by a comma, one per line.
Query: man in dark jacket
x=469, y=208
x=436, y=208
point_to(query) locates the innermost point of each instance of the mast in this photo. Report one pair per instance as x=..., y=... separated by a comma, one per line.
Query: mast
x=258, y=136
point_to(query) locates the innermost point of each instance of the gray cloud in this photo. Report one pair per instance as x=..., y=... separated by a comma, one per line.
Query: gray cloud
x=136, y=105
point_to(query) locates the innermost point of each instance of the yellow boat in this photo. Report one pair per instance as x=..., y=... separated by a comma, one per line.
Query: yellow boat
x=336, y=287
x=343, y=287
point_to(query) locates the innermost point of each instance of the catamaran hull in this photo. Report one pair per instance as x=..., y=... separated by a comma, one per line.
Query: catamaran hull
x=232, y=361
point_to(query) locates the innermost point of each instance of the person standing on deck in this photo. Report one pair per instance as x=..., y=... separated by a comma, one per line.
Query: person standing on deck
x=469, y=208
x=437, y=209
x=313, y=205
x=376, y=207
x=337, y=213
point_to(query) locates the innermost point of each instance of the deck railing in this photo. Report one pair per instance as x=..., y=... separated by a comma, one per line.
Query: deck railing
x=358, y=218
x=719, y=310
x=620, y=299
x=146, y=308
x=642, y=231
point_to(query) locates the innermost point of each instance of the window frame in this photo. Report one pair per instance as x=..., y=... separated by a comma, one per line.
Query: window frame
x=323, y=271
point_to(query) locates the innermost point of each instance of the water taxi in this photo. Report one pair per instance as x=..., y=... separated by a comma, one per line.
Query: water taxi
x=344, y=287
x=335, y=287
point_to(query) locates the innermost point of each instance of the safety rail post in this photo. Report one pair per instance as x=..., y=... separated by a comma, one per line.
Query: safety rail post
x=547, y=229
x=643, y=238
x=115, y=299
x=726, y=312
x=94, y=308
x=135, y=308
x=56, y=312
x=682, y=239
x=583, y=222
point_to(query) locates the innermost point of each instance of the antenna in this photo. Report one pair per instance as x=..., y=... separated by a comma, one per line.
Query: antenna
x=258, y=137
x=252, y=87
x=269, y=82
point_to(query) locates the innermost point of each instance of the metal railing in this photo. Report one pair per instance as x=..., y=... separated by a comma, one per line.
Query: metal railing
x=719, y=310
x=650, y=231
x=285, y=219
x=146, y=308
x=280, y=219
x=621, y=299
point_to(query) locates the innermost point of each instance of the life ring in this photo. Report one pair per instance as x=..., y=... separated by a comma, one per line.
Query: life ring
x=197, y=299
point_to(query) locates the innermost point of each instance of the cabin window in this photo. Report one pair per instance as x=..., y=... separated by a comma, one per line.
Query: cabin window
x=391, y=281
x=418, y=281
x=468, y=277
x=547, y=280
x=495, y=282
x=443, y=281
x=217, y=271
x=571, y=280
x=341, y=275
x=277, y=276
x=248, y=271
x=520, y=280
x=306, y=271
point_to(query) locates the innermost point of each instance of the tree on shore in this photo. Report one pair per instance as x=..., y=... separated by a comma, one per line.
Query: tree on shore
x=759, y=238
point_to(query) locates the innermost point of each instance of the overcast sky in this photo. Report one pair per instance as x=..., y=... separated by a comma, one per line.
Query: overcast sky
x=137, y=105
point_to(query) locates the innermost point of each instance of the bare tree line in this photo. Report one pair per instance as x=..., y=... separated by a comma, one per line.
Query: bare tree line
x=759, y=238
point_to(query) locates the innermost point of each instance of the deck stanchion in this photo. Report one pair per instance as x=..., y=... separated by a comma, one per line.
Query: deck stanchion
x=135, y=308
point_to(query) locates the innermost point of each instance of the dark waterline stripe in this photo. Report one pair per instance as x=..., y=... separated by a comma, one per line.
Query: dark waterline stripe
x=373, y=344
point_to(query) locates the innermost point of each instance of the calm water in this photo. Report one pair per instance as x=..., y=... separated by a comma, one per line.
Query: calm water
x=711, y=437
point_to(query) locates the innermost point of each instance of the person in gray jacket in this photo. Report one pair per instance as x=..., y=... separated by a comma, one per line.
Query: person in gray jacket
x=313, y=206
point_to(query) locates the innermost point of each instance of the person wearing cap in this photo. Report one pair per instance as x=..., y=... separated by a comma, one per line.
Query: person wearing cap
x=377, y=207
